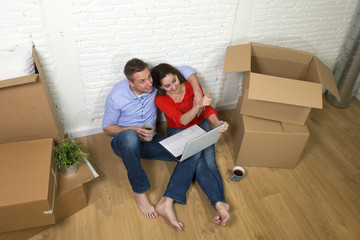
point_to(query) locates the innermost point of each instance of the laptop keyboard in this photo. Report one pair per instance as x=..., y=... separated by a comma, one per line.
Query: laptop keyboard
x=182, y=143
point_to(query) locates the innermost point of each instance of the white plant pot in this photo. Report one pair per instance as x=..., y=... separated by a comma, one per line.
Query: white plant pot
x=71, y=171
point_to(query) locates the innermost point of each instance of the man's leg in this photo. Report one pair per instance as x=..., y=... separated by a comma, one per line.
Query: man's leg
x=127, y=145
x=154, y=150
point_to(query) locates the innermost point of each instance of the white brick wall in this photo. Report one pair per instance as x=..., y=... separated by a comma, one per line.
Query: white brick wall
x=23, y=21
x=193, y=33
x=318, y=26
x=84, y=44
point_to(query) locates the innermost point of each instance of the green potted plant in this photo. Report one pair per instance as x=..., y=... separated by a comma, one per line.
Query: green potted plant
x=68, y=155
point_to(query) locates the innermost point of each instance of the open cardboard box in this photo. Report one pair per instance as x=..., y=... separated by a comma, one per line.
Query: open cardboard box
x=279, y=83
x=260, y=142
x=27, y=110
x=28, y=178
x=74, y=194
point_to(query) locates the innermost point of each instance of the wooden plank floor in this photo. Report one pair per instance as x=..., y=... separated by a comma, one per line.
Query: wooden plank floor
x=319, y=199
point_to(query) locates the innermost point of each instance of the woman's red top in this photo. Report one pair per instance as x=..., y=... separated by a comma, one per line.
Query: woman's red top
x=173, y=111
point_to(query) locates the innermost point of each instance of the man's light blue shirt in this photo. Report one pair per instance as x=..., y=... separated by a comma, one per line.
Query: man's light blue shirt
x=124, y=108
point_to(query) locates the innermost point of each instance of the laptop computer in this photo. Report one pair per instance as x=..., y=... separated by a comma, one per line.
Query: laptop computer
x=190, y=141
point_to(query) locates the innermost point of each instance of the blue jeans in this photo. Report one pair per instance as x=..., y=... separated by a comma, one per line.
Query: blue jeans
x=130, y=148
x=207, y=173
x=127, y=145
x=181, y=179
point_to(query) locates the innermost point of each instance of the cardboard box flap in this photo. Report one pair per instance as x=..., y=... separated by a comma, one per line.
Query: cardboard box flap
x=18, y=81
x=283, y=90
x=294, y=128
x=237, y=58
x=327, y=78
x=263, y=125
x=28, y=111
x=85, y=174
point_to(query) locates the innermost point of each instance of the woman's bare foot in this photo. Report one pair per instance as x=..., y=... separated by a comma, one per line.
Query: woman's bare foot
x=145, y=205
x=222, y=215
x=164, y=208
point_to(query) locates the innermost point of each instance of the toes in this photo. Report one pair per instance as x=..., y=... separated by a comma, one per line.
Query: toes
x=224, y=222
x=181, y=226
x=217, y=221
x=178, y=225
x=151, y=215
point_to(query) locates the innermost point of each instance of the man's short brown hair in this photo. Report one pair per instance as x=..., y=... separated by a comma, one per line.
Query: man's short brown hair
x=133, y=66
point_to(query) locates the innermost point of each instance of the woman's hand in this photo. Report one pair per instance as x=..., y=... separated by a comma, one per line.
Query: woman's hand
x=224, y=128
x=205, y=101
x=197, y=98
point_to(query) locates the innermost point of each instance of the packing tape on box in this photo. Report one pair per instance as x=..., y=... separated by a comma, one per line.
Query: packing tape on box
x=92, y=168
x=54, y=173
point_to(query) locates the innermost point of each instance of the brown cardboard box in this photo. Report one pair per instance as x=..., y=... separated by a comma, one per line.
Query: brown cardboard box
x=28, y=179
x=74, y=194
x=265, y=143
x=27, y=110
x=279, y=84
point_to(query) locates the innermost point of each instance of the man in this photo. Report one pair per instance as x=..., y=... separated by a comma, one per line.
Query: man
x=128, y=107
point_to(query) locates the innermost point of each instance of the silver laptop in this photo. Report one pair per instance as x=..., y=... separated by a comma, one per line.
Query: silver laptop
x=190, y=141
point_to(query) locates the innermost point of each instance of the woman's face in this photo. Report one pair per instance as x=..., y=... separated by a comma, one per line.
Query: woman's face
x=170, y=83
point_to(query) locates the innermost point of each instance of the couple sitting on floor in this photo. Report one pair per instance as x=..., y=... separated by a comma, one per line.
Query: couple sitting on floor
x=177, y=93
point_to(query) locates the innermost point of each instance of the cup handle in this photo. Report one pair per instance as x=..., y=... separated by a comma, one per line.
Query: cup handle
x=232, y=178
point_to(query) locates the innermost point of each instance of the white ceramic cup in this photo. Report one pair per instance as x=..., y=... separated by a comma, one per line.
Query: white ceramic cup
x=238, y=173
x=149, y=128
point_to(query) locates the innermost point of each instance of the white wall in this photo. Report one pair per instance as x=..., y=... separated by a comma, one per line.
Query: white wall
x=84, y=44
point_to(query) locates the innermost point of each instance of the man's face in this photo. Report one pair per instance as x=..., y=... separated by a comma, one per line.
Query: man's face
x=142, y=82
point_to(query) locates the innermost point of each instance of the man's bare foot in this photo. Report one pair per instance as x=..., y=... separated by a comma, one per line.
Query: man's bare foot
x=164, y=208
x=145, y=205
x=222, y=215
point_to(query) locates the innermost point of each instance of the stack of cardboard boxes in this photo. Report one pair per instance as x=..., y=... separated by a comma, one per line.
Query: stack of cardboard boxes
x=280, y=86
x=34, y=194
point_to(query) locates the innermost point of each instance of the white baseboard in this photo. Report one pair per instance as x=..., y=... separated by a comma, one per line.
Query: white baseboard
x=228, y=106
x=86, y=132
x=357, y=95
x=92, y=131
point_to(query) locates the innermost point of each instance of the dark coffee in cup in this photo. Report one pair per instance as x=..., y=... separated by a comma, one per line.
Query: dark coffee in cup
x=238, y=172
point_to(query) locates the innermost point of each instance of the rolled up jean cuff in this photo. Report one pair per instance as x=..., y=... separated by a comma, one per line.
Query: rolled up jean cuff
x=176, y=199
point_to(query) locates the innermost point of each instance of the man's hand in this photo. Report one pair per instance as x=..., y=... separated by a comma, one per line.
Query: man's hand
x=144, y=135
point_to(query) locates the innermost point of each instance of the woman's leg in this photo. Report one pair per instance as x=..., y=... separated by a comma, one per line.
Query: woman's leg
x=178, y=185
x=210, y=180
x=210, y=159
x=210, y=186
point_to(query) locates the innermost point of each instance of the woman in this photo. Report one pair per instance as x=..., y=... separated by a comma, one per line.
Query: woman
x=175, y=100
